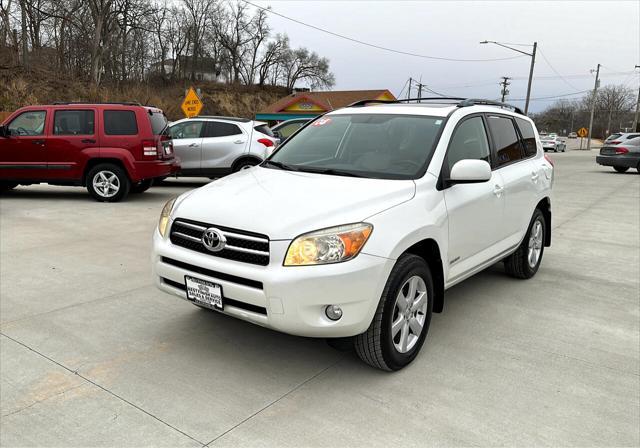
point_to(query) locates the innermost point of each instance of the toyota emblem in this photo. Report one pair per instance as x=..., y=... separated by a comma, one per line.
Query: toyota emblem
x=213, y=239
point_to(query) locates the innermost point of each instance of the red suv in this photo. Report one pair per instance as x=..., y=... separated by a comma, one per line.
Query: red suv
x=111, y=148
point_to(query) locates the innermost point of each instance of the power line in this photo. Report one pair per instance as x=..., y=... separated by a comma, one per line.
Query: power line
x=552, y=97
x=556, y=71
x=379, y=47
x=403, y=87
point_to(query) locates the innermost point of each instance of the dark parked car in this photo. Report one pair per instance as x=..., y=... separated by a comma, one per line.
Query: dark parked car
x=621, y=156
x=285, y=129
x=110, y=148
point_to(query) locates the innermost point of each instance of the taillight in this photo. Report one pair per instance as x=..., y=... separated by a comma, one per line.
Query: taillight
x=149, y=148
x=266, y=142
x=621, y=150
x=548, y=159
x=615, y=142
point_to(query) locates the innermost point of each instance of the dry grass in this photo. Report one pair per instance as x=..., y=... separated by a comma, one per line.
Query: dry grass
x=18, y=89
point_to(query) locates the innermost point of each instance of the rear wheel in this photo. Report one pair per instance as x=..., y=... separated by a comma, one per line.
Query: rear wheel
x=6, y=186
x=142, y=186
x=621, y=169
x=245, y=164
x=525, y=261
x=401, y=322
x=108, y=183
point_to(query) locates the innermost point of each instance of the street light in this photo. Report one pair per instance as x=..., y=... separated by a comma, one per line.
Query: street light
x=533, y=61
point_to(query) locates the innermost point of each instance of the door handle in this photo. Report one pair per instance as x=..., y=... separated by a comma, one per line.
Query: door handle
x=238, y=142
x=193, y=145
x=498, y=190
x=88, y=140
x=37, y=142
x=534, y=176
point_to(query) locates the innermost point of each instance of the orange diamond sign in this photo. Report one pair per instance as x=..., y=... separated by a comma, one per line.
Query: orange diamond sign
x=191, y=106
x=582, y=132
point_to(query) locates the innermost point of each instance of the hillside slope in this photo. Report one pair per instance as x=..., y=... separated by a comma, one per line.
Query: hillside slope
x=18, y=89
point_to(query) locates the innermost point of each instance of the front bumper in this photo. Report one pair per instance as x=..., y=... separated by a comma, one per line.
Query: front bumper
x=287, y=299
x=625, y=160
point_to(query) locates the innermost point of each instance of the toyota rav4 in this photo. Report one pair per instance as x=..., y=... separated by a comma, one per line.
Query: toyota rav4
x=356, y=225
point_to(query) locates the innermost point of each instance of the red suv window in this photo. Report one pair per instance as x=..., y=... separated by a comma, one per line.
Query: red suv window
x=120, y=122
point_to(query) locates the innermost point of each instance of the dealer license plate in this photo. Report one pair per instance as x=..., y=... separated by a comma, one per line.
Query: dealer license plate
x=204, y=292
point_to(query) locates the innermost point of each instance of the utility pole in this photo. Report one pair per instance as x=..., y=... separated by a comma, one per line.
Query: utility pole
x=533, y=61
x=635, y=118
x=419, y=91
x=409, y=90
x=504, y=83
x=593, y=106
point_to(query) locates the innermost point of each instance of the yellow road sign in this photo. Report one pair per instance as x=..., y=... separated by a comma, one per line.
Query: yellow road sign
x=191, y=106
x=582, y=132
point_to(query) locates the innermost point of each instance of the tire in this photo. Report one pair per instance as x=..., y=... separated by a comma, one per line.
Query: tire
x=519, y=264
x=115, y=176
x=245, y=164
x=621, y=169
x=379, y=346
x=141, y=186
x=7, y=186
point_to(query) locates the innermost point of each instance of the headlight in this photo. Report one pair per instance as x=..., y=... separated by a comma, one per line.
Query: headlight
x=164, y=217
x=331, y=245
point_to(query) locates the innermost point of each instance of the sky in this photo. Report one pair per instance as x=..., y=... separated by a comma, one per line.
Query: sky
x=572, y=36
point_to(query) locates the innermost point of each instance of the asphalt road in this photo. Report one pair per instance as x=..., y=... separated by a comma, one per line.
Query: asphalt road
x=91, y=354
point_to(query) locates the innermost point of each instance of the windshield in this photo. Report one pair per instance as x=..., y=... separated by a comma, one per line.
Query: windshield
x=384, y=146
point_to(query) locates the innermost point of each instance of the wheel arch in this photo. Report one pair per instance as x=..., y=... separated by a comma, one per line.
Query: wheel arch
x=545, y=207
x=91, y=163
x=245, y=157
x=429, y=250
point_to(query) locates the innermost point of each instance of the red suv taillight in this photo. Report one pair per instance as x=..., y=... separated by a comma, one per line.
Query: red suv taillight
x=149, y=148
x=266, y=142
x=621, y=150
x=615, y=142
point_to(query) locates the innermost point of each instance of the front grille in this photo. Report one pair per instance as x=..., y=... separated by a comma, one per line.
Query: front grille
x=246, y=247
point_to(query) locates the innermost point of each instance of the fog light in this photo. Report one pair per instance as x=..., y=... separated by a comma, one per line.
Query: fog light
x=333, y=312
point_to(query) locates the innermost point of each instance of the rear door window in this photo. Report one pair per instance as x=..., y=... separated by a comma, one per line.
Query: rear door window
x=28, y=123
x=505, y=139
x=120, y=122
x=528, y=137
x=469, y=141
x=186, y=129
x=221, y=129
x=73, y=122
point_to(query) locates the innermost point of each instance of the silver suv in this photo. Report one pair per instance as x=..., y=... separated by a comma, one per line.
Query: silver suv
x=211, y=146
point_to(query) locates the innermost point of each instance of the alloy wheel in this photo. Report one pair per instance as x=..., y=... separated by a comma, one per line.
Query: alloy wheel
x=409, y=314
x=535, y=243
x=106, y=183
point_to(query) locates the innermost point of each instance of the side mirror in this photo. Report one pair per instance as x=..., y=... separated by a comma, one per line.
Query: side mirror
x=470, y=171
x=4, y=132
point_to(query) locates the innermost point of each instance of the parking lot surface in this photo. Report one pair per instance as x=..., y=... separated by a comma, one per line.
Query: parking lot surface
x=92, y=354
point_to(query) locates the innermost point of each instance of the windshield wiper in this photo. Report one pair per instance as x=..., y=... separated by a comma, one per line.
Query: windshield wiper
x=331, y=172
x=280, y=165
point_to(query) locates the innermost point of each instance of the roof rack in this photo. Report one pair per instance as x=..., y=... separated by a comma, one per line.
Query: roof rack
x=222, y=117
x=61, y=103
x=459, y=102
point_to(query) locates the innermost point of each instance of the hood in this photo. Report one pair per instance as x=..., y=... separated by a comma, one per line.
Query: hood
x=284, y=204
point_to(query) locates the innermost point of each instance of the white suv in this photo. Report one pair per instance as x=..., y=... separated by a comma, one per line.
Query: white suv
x=356, y=226
x=211, y=146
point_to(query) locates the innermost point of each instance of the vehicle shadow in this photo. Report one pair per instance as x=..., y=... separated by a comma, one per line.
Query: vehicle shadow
x=80, y=194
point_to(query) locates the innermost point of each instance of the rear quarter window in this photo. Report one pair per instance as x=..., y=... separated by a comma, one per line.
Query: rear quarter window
x=528, y=137
x=120, y=122
x=264, y=129
x=158, y=122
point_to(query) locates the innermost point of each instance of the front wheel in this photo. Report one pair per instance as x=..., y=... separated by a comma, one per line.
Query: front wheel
x=401, y=322
x=621, y=169
x=245, y=165
x=525, y=261
x=108, y=183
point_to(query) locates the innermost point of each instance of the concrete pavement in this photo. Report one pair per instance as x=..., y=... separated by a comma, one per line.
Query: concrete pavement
x=91, y=354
